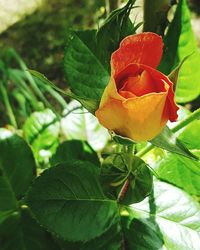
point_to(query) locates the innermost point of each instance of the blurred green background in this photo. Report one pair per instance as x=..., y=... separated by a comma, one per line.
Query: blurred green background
x=39, y=37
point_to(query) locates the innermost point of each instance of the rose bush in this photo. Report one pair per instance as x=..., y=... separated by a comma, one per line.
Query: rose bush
x=138, y=100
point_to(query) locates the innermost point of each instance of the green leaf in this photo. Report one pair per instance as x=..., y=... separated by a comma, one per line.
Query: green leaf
x=111, y=239
x=140, y=183
x=169, y=58
x=146, y=234
x=68, y=201
x=175, y=217
x=85, y=74
x=115, y=27
x=80, y=125
x=126, y=178
x=74, y=150
x=17, y=170
x=168, y=141
x=21, y=232
x=17, y=166
x=179, y=42
x=173, y=76
x=191, y=135
x=180, y=171
x=8, y=202
x=89, y=104
x=41, y=131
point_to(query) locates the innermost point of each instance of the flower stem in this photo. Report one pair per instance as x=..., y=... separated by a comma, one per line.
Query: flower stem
x=123, y=190
x=145, y=150
x=195, y=115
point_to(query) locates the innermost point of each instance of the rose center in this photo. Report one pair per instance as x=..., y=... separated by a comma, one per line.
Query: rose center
x=138, y=85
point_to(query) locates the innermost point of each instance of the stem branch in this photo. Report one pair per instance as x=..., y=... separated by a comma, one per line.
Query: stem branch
x=123, y=190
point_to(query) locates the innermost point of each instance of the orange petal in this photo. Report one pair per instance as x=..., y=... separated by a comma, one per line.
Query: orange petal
x=138, y=118
x=140, y=85
x=126, y=94
x=110, y=92
x=145, y=48
x=171, y=108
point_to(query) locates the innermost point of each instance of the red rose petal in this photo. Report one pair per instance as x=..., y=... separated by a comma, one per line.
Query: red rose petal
x=140, y=85
x=145, y=48
x=170, y=107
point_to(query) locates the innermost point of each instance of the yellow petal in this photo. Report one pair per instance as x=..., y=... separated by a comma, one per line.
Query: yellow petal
x=110, y=92
x=138, y=118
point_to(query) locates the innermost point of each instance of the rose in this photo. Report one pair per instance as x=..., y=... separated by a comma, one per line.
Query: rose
x=138, y=100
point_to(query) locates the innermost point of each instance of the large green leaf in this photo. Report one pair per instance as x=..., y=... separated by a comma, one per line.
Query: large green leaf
x=85, y=74
x=178, y=170
x=74, y=150
x=41, y=131
x=170, y=216
x=191, y=135
x=111, y=240
x=21, y=232
x=142, y=234
x=17, y=170
x=81, y=125
x=68, y=201
x=17, y=164
x=167, y=140
x=8, y=202
x=180, y=42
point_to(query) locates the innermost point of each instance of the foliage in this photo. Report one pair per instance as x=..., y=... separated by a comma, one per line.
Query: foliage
x=188, y=87
x=20, y=93
x=45, y=51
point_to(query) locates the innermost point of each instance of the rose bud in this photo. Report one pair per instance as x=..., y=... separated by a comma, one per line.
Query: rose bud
x=138, y=100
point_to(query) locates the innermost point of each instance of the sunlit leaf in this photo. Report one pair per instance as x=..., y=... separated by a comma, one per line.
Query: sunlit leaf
x=178, y=170
x=41, y=131
x=80, y=125
x=169, y=219
x=180, y=42
x=168, y=140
